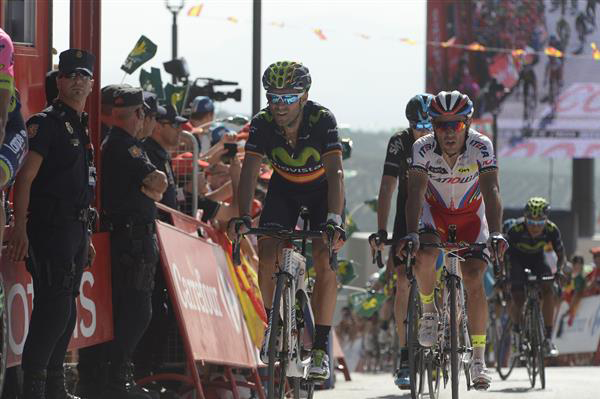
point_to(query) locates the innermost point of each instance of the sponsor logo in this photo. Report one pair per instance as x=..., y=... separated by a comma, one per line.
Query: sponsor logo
x=438, y=170
x=425, y=148
x=281, y=155
x=455, y=180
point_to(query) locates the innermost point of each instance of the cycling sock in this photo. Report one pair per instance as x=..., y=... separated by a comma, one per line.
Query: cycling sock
x=321, y=337
x=427, y=301
x=548, y=332
x=478, y=342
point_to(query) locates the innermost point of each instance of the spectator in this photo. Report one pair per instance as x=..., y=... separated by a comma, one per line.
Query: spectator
x=130, y=185
x=165, y=137
x=579, y=283
x=202, y=114
x=51, y=89
x=593, y=279
x=151, y=111
x=56, y=186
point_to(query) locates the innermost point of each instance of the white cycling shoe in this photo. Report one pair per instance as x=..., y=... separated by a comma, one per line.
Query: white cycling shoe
x=480, y=377
x=428, y=329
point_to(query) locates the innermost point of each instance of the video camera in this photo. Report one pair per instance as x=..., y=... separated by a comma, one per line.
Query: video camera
x=206, y=87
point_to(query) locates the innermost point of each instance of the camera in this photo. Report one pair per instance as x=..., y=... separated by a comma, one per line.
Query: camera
x=206, y=87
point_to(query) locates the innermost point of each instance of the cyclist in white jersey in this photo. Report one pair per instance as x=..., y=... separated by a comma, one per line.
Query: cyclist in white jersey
x=453, y=180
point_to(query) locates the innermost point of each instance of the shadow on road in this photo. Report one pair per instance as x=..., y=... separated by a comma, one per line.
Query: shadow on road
x=407, y=395
x=513, y=390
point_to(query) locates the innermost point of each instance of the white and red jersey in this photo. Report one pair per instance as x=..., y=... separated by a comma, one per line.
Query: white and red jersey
x=454, y=190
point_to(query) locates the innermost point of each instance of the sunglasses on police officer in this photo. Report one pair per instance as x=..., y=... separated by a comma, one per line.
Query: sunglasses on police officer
x=287, y=99
x=455, y=126
x=75, y=75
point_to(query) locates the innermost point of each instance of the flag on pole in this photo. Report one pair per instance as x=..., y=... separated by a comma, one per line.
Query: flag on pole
x=233, y=20
x=152, y=81
x=143, y=51
x=195, y=10
x=595, y=51
x=175, y=95
x=320, y=34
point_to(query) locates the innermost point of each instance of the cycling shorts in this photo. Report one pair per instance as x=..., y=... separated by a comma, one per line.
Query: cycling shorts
x=518, y=264
x=471, y=227
x=12, y=155
x=282, y=207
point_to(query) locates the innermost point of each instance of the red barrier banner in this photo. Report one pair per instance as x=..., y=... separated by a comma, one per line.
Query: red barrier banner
x=94, y=305
x=210, y=318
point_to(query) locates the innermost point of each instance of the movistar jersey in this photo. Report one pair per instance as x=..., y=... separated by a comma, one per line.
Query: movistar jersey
x=300, y=166
x=522, y=243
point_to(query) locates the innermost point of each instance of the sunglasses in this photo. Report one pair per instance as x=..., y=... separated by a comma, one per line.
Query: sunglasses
x=534, y=222
x=174, y=125
x=287, y=99
x=422, y=126
x=449, y=125
x=75, y=75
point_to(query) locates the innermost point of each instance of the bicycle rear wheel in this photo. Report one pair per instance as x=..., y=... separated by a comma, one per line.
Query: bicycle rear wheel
x=454, y=358
x=277, y=390
x=539, y=344
x=506, y=356
x=415, y=351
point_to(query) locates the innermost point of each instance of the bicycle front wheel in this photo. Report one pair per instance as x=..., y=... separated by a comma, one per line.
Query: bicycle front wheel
x=276, y=389
x=415, y=351
x=539, y=344
x=506, y=356
x=530, y=347
x=454, y=358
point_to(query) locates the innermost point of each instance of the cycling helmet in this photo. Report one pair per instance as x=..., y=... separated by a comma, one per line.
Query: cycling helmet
x=448, y=103
x=417, y=110
x=537, y=207
x=286, y=75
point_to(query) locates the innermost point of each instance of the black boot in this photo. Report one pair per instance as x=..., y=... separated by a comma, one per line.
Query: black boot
x=55, y=385
x=121, y=384
x=34, y=384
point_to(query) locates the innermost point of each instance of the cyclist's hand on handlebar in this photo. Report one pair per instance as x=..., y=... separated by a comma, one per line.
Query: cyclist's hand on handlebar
x=497, y=245
x=376, y=241
x=337, y=234
x=238, y=226
x=402, y=244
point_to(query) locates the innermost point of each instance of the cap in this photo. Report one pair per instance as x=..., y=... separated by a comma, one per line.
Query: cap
x=595, y=251
x=216, y=134
x=182, y=164
x=202, y=104
x=151, y=104
x=76, y=60
x=107, y=92
x=170, y=115
x=124, y=96
x=51, y=87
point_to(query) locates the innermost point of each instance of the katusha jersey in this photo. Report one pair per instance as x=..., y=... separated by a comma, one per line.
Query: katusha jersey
x=300, y=166
x=454, y=190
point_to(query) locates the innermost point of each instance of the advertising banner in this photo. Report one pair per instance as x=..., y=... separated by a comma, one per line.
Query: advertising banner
x=94, y=305
x=583, y=334
x=205, y=300
x=534, y=64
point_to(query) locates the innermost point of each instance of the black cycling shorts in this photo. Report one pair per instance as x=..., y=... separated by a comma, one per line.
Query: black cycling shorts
x=536, y=264
x=282, y=207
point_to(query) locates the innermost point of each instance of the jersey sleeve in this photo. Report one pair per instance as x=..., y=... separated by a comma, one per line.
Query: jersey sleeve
x=7, y=75
x=41, y=131
x=555, y=238
x=420, y=150
x=486, y=159
x=393, y=157
x=331, y=137
x=257, y=135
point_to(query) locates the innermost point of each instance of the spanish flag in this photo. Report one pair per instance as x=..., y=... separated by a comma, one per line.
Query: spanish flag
x=553, y=52
x=320, y=34
x=596, y=52
x=195, y=10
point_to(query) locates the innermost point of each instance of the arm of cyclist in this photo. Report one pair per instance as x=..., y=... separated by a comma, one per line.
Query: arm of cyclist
x=334, y=172
x=417, y=186
x=245, y=194
x=386, y=192
x=488, y=184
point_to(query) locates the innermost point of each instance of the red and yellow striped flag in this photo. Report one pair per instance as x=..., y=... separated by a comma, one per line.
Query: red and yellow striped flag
x=595, y=51
x=553, y=52
x=195, y=10
x=476, y=47
x=233, y=20
x=320, y=34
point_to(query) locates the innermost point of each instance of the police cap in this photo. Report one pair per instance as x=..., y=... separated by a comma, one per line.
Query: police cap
x=170, y=116
x=107, y=93
x=152, y=105
x=75, y=60
x=127, y=97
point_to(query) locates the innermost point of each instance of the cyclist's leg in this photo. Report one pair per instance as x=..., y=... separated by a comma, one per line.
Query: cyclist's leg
x=548, y=305
x=424, y=267
x=400, y=300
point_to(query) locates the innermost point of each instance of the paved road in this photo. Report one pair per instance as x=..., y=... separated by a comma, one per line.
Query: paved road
x=561, y=383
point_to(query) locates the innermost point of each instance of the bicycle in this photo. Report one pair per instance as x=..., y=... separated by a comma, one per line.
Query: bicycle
x=3, y=335
x=453, y=347
x=291, y=314
x=533, y=335
x=416, y=353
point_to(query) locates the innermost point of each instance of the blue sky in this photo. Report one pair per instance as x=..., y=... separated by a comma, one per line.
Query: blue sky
x=362, y=72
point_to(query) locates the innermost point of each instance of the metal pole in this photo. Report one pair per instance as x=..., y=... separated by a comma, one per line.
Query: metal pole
x=256, y=44
x=495, y=131
x=174, y=41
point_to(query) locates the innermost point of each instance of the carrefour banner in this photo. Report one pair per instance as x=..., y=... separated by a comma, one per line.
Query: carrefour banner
x=532, y=64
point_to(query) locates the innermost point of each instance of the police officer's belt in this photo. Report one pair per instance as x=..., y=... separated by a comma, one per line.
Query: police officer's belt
x=133, y=229
x=62, y=209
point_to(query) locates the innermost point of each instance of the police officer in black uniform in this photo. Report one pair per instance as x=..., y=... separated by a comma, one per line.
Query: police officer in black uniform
x=56, y=185
x=130, y=185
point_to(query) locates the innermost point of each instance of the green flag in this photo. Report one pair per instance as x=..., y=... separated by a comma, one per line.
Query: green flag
x=152, y=81
x=175, y=95
x=143, y=51
x=345, y=271
x=366, y=304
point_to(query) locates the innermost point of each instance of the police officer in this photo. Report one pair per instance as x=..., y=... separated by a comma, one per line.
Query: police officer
x=56, y=185
x=130, y=185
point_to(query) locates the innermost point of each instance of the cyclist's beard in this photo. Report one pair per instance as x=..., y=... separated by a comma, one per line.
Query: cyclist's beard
x=290, y=120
